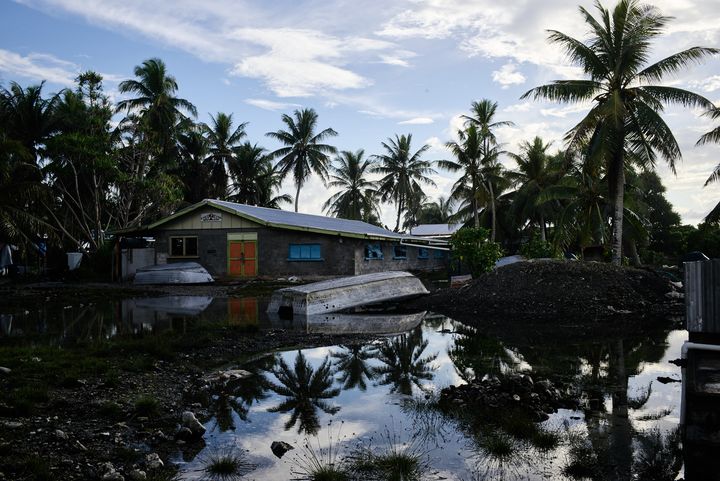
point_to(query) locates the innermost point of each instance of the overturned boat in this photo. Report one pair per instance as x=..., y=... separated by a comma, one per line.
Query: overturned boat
x=352, y=323
x=344, y=293
x=175, y=273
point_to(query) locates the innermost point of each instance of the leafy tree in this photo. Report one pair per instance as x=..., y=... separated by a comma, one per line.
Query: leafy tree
x=304, y=152
x=403, y=173
x=158, y=109
x=535, y=173
x=625, y=116
x=472, y=248
x=254, y=181
x=358, y=196
x=222, y=139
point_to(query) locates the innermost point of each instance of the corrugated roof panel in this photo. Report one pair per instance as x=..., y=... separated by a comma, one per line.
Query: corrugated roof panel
x=434, y=229
x=295, y=219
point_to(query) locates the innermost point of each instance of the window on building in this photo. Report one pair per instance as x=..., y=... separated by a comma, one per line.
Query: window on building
x=399, y=252
x=304, y=252
x=439, y=254
x=423, y=253
x=373, y=251
x=183, y=247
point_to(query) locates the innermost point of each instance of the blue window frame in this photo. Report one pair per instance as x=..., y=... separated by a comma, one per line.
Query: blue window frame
x=373, y=251
x=423, y=253
x=399, y=252
x=304, y=252
x=439, y=254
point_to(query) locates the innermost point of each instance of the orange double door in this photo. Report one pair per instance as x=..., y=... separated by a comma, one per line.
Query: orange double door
x=242, y=258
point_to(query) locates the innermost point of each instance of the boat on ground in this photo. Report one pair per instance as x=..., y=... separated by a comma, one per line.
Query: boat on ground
x=352, y=323
x=345, y=293
x=174, y=273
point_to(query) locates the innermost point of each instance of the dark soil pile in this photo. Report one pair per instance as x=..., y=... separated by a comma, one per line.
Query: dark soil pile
x=559, y=292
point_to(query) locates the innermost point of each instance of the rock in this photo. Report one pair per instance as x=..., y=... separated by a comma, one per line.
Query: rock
x=137, y=475
x=5, y=370
x=113, y=476
x=153, y=461
x=190, y=421
x=11, y=424
x=279, y=448
x=184, y=434
x=61, y=435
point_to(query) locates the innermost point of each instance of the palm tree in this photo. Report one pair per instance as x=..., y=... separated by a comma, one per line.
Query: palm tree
x=536, y=172
x=626, y=102
x=483, y=117
x=222, y=138
x=304, y=152
x=437, y=212
x=404, y=364
x=306, y=390
x=254, y=181
x=712, y=136
x=193, y=170
x=156, y=105
x=468, y=153
x=358, y=197
x=403, y=173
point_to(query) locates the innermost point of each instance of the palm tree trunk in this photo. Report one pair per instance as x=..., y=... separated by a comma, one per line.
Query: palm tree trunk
x=618, y=200
x=297, y=196
x=476, y=215
x=492, y=210
x=543, y=235
x=399, y=211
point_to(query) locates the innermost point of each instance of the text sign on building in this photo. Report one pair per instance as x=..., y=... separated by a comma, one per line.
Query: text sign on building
x=211, y=217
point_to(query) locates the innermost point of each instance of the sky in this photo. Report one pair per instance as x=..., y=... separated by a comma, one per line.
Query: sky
x=370, y=69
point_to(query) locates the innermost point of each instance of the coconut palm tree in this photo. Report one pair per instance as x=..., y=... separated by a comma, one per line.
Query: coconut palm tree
x=306, y=390
x=158, y=109
x=712, y=136
x=468, y=153
x=304, y=152
x=193, y=170
x=352, y=365
x=358, y=197
x=404, y=365
x=254, y=181
x=626, y=100
x=222, y=138
x=535, y=173
x=403, y=173
x=437, y=212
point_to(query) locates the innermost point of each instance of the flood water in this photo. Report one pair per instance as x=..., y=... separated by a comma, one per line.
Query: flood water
x=380, y=395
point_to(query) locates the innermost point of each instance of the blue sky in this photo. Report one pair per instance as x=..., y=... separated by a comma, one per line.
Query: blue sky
x=370, y=69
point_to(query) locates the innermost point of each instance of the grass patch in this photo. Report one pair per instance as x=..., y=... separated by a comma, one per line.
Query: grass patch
x=227, y=464
x=545, y=440
x=393, y=460
x=315, y=463
x=110, y=410
x=147, y=406
x=498, y=445
x=25, y=399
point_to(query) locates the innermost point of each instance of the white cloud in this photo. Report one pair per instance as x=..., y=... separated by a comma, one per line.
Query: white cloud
x=38, y=67
x=270, y=104
x=521, y=107
x=709, y=84
x=508, y=75
x=417, y=121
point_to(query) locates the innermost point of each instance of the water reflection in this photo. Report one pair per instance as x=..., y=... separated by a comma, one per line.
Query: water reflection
x=306, y=390
x=404, y=365
x=352, y=363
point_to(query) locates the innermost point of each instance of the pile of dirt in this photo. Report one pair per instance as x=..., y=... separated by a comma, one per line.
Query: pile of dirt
x=559, y=292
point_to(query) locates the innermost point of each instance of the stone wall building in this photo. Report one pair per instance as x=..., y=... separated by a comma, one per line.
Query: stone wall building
x=237, y=240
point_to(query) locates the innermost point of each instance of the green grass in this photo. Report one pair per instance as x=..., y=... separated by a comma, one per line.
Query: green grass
x=111, y=411
x=498, y=445
x=228, y=464
x=147, y=406
x=25, y=399
x=545, y=440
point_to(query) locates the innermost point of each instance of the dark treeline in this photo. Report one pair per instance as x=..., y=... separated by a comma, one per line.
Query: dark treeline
x=74, y=166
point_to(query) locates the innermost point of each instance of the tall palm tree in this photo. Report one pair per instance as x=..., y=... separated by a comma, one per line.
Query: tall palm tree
x=158, y=109
x=304, y=152
x=483, y=117
x=403, y=172
x=358, y=197
x=535, y=173
x=352, y=364
x=222, y=138
x=712, y=136
x=254, y=181
x=404, y=365
x=437, y=212
x=626, y=101
x=306, y=390
x=193, y=171
x=468, y=153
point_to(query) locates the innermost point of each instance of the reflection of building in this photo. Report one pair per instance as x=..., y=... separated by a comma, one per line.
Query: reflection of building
x=700, y=414
x=238, y=240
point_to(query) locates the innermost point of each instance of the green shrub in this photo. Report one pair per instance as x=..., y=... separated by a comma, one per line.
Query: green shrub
x=536, y=248
x=472, y=249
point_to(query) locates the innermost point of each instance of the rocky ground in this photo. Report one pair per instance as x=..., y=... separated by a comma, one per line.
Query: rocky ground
x=573, y=296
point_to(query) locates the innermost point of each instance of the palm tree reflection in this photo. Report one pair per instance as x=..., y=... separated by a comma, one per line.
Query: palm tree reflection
x=352, y=363
x=305, y=390
x=404, y=365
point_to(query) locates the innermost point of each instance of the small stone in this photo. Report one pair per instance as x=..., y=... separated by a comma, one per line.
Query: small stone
x=516, y=398
x=153, y=461
x=61, y=435
x=5, y=370
x=80, y=446
x=184, y=434
x=279, y=448
x=113, y=476
x=137, y=475
x=191, y=422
